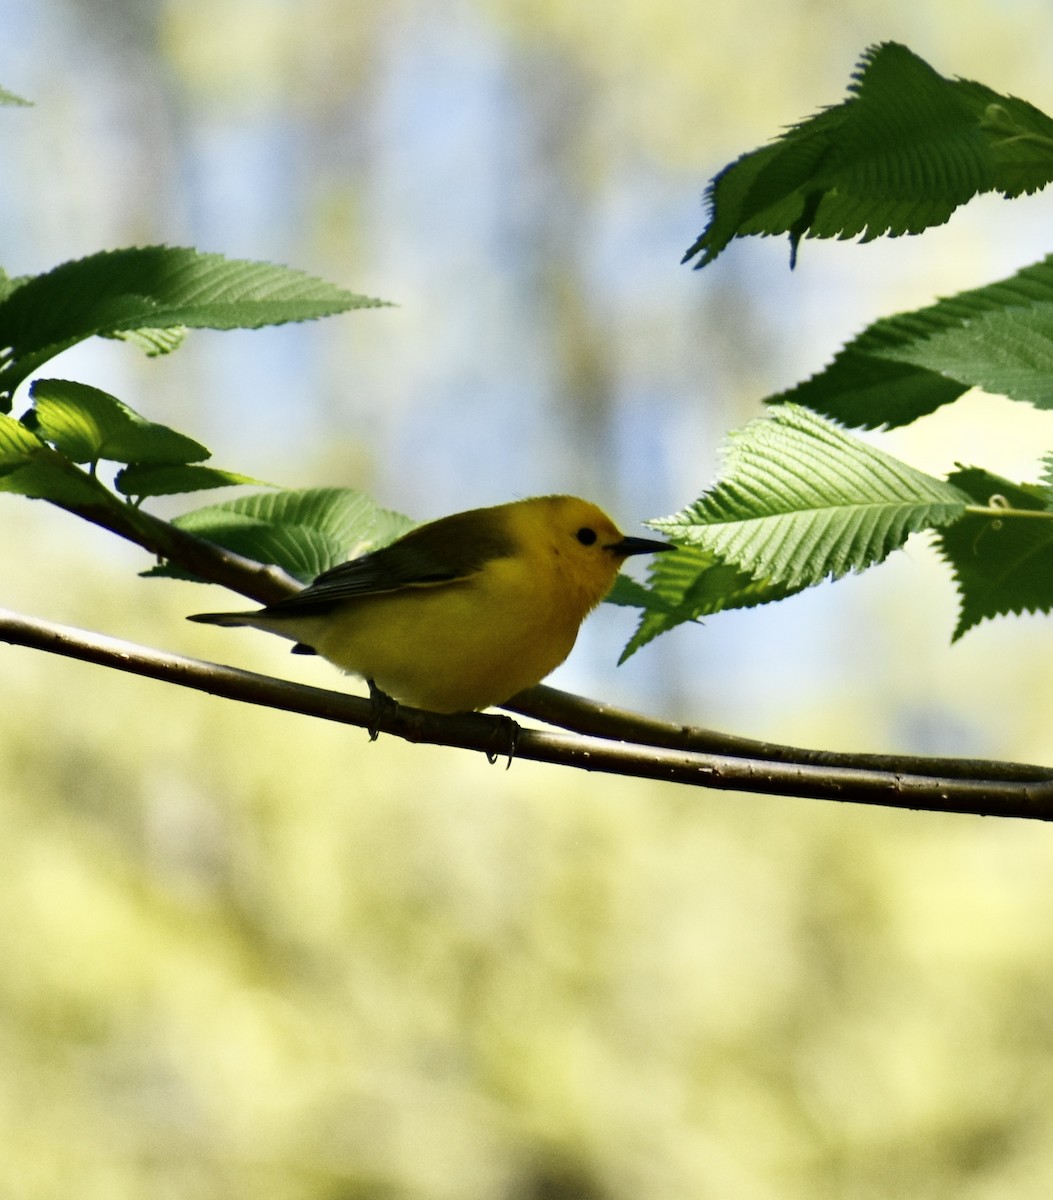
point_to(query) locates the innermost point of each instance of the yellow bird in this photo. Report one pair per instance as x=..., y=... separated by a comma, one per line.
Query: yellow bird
x=463, y=612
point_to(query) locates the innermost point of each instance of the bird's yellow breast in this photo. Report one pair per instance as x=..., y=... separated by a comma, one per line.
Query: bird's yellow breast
x=462, y=645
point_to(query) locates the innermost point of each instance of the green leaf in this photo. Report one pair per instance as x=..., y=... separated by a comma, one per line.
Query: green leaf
x=28, y=467
x=690, y=584
x=304, y=532
x=631, y=593
x=86, y=424
x=1002, y=560
x=57, y=480
x=153, y=288
x=142, y=480
x=1045, y=488
x=1007, y=352
x=7, y=97
x=152, y=342
x=998, y=337
x=899, y=155
x=801, y=500
x=17, y=444
x=768, y=190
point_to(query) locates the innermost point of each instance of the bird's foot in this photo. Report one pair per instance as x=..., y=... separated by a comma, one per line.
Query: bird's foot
x=505, y=741
x=380, y=704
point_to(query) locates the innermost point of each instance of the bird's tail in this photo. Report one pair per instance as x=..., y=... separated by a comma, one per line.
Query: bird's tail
x=224, y=618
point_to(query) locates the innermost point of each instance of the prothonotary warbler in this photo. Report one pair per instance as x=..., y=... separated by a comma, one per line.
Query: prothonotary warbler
x=463, y=612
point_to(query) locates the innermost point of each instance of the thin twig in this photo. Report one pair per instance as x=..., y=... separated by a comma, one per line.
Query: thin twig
x=167, y=542
x=597, y=719
x=491, y=735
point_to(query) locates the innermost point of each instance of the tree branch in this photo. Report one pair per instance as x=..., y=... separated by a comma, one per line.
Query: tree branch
x=592, y=717
x=1030, y=799
x=257, y=581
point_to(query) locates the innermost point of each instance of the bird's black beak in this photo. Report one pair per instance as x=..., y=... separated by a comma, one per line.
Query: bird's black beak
x=636, y=545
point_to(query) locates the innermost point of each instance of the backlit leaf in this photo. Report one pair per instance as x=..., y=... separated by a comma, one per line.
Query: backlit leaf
x=801, y=500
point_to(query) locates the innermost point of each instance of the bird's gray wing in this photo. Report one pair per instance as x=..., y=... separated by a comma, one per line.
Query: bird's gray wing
x=441, y=552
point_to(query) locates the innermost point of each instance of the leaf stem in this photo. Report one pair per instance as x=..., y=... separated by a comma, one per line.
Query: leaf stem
x=997, y=513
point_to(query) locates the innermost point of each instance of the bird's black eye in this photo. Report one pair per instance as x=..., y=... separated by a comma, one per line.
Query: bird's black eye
x=586, y=536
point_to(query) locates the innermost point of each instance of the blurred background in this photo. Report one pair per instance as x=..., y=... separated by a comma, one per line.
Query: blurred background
x=246, y=955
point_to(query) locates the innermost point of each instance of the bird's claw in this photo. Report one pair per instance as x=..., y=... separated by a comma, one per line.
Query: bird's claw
x=507, y=735
x=380, y=704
